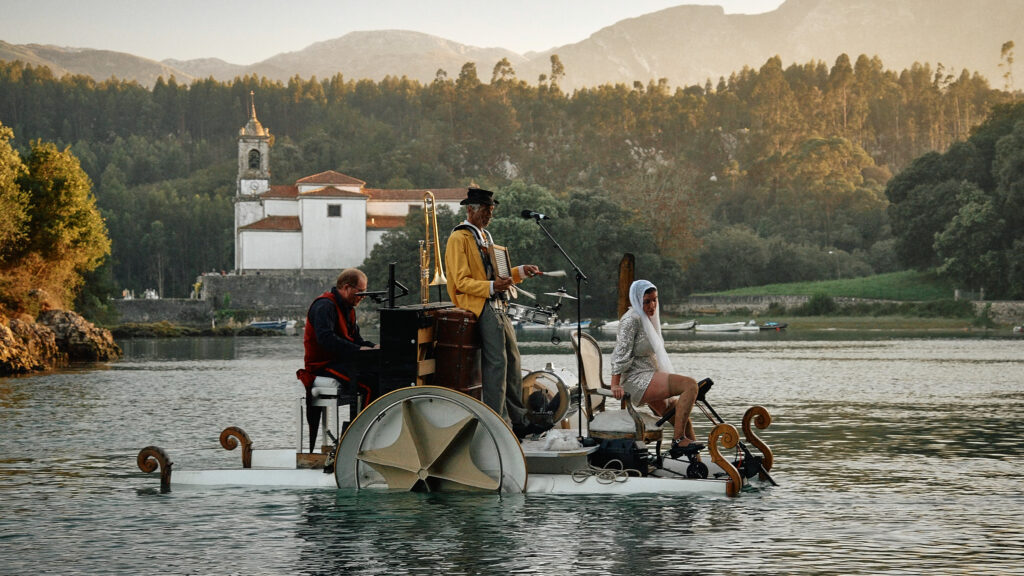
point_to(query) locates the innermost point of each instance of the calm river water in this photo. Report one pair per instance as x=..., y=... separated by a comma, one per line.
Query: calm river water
x=894, y=456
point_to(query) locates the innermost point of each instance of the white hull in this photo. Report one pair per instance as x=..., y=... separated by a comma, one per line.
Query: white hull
x=729, y=327
x=679, y=326
x=536, y=483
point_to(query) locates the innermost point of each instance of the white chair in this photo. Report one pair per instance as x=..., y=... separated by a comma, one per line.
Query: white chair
x=327, y=394
x=610, y=424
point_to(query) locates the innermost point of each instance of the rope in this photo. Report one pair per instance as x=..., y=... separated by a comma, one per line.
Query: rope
x=604, y=475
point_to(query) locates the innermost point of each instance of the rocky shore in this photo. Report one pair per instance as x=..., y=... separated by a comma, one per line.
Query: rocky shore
x=55, y=339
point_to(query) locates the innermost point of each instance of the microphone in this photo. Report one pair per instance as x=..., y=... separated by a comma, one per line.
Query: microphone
x=535, y=215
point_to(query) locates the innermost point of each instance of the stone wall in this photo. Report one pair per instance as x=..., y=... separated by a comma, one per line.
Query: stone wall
x=174, y=310
x=271, y=296
x=1003, y=311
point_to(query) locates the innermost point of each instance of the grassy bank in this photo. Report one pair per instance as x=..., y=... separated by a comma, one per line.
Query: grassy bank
x=905, y=286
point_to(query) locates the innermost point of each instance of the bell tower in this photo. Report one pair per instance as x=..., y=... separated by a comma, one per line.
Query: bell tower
x=254, y=143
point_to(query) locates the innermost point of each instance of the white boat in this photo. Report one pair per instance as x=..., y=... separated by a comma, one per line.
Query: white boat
x=429, y=438
x=612, y=326
x=750, y=326
x=688, y=325
x=422, y=437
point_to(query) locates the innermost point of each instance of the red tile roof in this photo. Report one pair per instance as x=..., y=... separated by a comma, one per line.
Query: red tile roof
x=281, y=192
x=440, y=194
x=384, y=222
x=330, y=177
x=277, y=223
x=331, y=192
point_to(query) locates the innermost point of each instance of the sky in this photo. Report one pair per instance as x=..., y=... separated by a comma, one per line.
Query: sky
x=251, y=31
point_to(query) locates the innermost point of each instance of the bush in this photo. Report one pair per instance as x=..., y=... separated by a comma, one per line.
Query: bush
x=818, y=305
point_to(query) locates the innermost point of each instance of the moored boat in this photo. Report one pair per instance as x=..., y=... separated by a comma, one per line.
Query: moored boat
x=687, y=325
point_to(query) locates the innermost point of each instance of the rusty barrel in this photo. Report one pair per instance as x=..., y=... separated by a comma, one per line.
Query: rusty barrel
x=457, y=351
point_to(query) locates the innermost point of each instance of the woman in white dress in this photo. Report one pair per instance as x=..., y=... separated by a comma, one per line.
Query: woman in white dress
x=642, y=369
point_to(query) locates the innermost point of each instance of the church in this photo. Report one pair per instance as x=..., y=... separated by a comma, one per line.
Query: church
x=327, y=221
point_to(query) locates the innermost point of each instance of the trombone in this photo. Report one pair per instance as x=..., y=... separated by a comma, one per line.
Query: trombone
x=430, y=246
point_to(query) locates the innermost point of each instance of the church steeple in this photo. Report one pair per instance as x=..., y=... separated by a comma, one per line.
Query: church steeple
x=253, y=126
x=254, y=143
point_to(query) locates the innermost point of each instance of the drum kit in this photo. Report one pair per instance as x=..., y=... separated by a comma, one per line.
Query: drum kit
x=540, y=315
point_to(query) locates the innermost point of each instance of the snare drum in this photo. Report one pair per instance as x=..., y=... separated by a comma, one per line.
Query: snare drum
x=526, y=314
x=554, y=383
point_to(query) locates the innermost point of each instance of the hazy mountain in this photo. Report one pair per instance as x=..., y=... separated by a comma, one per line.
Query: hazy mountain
x=206, y=67
x=100, y=64
x=382, y=53
x=686, y=45
x=690, y=44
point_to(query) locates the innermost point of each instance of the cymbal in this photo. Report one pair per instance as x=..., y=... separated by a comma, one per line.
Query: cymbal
x=561, y=294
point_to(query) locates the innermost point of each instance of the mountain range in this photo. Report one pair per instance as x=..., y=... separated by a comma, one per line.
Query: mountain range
x=685, y=45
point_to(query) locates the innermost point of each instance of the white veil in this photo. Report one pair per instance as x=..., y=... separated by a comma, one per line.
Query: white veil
x=652, y=325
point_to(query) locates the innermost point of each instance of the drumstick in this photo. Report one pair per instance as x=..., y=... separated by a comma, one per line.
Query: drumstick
x=554, y=273
x=526, y=293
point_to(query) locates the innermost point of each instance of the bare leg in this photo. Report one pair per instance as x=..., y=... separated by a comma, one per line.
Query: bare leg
x=686, y=389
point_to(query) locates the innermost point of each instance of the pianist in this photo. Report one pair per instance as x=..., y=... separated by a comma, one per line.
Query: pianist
x=333, y=345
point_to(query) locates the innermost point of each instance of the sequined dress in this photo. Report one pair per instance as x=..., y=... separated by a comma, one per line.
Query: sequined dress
x=633, y=357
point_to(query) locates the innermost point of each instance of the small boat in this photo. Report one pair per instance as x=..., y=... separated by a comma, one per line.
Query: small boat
x=1018, y=329
x=688, y=325
x=749, y=326
x=726, y=327
x=612, y=326
x=777, y=326
x=282, y=325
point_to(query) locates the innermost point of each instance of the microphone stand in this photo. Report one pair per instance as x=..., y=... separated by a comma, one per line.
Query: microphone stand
x=580, y=278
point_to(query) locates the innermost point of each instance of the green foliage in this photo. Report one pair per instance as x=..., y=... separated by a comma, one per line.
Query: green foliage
x=62, y=235
x=819, y=304
x=13, y=200
x=795, y=153
x=963, y=211
x=906, y=285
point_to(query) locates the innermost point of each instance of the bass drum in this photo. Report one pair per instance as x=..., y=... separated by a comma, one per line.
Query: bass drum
x=553, y=383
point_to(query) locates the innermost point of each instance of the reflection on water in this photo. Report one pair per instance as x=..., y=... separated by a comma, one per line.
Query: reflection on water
x=894, y=456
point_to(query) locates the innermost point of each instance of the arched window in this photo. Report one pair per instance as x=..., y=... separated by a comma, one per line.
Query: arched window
x=254, y=159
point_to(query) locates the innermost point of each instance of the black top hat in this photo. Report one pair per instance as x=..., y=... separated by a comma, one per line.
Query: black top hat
x=480, y=196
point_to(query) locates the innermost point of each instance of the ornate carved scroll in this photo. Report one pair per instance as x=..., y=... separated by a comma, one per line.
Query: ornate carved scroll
x=730, y=437
x=762, y=419
x=152, y=457
x=229, y=442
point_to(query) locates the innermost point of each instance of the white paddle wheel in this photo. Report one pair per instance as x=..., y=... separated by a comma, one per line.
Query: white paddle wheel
x=431, y=439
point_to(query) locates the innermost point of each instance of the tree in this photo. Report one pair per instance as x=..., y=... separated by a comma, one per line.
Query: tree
x=1006, y=61
x=65, y=236
x=969, y=246
x=13, y=200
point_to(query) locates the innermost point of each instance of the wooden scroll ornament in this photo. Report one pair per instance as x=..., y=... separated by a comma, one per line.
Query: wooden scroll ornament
x=730, y=437
x=152, y=457
x=759, y=416
x=229, y=442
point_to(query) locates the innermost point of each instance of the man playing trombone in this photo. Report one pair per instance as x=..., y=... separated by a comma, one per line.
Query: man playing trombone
x=475, y=285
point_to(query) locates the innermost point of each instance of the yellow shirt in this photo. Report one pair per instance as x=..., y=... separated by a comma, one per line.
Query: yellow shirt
x=468, y=286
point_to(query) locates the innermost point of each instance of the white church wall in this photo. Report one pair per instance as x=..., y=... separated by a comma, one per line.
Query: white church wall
x=373, y=237
x=247, y=212
x=390, y=207
x=275, y=207
x=270, y=250
x=333, y=242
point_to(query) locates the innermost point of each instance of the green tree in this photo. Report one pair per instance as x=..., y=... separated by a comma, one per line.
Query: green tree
x=65, y=236
x=13, y=200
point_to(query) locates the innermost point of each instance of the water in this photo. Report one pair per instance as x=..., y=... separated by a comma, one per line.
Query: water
x=894, y=455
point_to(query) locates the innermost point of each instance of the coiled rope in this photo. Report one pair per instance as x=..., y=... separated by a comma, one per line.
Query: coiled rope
x=604, y=475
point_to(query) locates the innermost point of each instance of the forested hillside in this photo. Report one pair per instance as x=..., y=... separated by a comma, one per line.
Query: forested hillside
x=769, y=175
